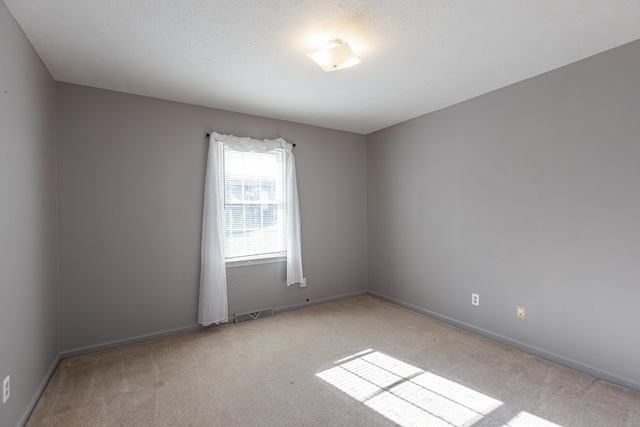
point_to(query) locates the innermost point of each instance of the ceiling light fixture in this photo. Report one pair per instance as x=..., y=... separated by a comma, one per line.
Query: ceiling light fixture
x=336, y=56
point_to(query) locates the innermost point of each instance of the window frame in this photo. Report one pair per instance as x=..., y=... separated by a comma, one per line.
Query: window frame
x=281, y=207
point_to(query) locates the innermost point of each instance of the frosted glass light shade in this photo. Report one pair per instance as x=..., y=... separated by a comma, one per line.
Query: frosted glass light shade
x=336, y=56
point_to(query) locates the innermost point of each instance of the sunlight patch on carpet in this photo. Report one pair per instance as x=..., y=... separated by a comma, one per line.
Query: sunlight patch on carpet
x=525, y=419
x=406, y=394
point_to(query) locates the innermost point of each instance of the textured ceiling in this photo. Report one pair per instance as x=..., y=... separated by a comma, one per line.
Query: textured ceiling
x=249, y=55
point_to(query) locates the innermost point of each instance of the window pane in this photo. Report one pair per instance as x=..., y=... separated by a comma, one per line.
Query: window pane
x=268, y=190
x=236, y=218
x=234, y=189
x=269, y=216
x=252, y=216
x=253, y=189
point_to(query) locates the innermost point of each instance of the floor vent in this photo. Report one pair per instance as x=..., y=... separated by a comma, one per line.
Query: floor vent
x=253, y=315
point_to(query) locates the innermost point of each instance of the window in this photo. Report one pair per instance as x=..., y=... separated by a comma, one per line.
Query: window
x=253, y=201
x=250, y=212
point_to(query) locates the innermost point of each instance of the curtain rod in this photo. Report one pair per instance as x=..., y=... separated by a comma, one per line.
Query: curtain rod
x=209, y=135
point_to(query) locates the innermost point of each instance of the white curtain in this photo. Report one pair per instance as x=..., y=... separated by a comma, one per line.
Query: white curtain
x=213, y=280
x=213, y=274
x=294, y=248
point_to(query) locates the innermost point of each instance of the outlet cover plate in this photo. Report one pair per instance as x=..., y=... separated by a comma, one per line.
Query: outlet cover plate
x=475, y=299
x=6, y=389
x=521, y=312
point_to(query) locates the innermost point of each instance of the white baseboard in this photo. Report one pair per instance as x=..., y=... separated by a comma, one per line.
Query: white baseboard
x=319, y=301
x=36, y=396
x=127, y=341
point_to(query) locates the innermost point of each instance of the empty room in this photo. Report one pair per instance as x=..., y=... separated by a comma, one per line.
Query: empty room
x=305, y=213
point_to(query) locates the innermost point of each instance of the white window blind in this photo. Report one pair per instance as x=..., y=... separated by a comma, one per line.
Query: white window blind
x=253, y=196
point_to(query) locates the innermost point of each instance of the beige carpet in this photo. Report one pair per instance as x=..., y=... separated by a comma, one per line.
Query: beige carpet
x=355, y=362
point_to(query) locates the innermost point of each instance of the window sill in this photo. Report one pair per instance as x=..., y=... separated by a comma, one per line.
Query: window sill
x=254, y=261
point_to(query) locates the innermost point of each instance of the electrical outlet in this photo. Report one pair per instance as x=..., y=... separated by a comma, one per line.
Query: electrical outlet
x=521, y=312
x=6, y=389
x=475, y=299
x=303, y=284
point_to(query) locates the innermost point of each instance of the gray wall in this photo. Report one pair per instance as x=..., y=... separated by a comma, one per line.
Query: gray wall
x=28, y=272
x=527, y=195
x=131, y=178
